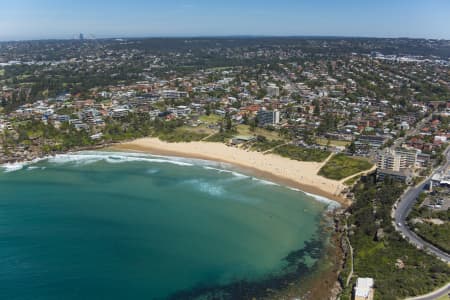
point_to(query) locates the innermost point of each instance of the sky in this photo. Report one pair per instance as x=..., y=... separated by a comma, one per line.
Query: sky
x=51, y=19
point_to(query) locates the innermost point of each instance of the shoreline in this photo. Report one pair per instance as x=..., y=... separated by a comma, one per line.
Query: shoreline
x=40, y=156
x=137, y=147
x=267, y=166
x=313, y=286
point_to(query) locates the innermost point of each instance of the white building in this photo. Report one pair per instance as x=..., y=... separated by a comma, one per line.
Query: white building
x=403, y=126
x=120, y=112
x=364, y=289
x=180, y=111
x=396, y=160
x=273, y=90
x=440, y=138
x=172, y=94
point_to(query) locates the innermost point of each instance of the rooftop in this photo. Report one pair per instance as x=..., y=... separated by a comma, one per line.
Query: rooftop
x=363, y=287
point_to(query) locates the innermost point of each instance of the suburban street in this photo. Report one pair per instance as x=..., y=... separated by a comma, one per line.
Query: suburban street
x=404, y=207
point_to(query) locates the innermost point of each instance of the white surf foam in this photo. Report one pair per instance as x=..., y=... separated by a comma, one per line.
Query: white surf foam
x=331, y=204
x=206, y=187
x=13, y=167
x=152, y=171
x=265, y=182
x=89, y=157
x=240, y=175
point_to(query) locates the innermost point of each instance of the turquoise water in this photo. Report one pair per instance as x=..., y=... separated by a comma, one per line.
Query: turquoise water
x=98, y=225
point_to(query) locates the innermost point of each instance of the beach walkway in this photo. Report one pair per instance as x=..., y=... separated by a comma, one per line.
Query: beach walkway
x=374, y=167
x=270, y=150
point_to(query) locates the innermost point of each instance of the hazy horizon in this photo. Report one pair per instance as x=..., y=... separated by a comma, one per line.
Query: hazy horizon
x=48, y=19
x=88, y=37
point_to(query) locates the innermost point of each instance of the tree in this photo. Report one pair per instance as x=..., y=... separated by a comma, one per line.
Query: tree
x=261, y=139
x=228, y=123
x=253, y=123
x=261, y=93
x=245, y=119
x=316, y=111
x=352, y=148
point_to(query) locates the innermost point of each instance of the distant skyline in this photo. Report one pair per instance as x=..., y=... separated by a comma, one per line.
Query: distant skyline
x=51, y=19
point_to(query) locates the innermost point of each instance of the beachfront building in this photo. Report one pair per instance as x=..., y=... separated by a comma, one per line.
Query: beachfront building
x=409, y=156
x=397, y=160
x=403, y=176
x=268, y=117
x=364, y=289
x=389, y=160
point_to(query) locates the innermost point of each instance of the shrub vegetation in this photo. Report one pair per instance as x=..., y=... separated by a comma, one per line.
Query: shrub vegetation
x=302, y=154
x=418, y=273
x=342, y=166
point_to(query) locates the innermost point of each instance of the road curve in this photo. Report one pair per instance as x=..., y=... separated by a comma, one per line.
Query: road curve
x=434, y=295
x=403, y=208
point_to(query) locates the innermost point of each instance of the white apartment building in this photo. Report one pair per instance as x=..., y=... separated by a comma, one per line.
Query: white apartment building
x=273, y=90
x=397, y=160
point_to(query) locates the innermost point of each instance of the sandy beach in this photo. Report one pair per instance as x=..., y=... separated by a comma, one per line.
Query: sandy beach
x=296, y=174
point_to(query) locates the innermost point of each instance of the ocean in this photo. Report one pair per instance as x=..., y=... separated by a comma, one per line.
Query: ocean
x=112, y=225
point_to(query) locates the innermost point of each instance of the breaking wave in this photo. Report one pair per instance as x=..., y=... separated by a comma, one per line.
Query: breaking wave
x=12, y=167
x=89, y=157
x=242, y=176
x=331, y=204
x=265, y=182
x=226, y=171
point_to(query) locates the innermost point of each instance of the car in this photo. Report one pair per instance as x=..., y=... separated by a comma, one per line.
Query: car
x=399, y=224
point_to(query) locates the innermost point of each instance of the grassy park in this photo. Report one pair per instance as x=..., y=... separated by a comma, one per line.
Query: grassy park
x=342, y=166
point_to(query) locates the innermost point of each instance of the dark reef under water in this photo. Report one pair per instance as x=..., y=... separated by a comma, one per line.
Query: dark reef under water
x=267, y=287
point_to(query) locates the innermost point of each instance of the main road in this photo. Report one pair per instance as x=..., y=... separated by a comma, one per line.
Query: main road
x=404, y=206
